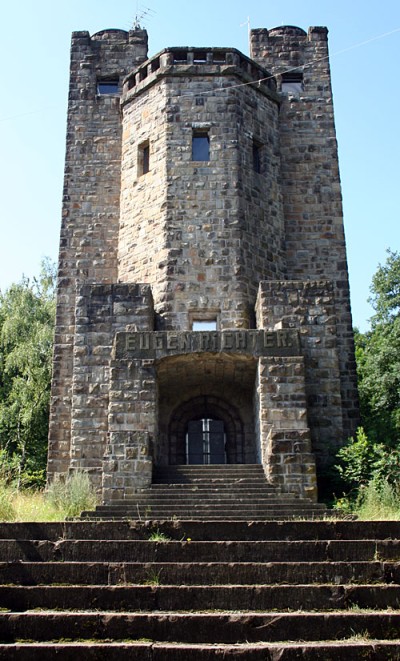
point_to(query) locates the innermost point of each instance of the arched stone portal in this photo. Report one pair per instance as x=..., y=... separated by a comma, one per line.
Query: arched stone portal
x=215, y=387
x=199, y=410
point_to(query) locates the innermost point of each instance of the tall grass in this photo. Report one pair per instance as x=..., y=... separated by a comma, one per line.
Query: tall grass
x=63, y=499
x=378, y=500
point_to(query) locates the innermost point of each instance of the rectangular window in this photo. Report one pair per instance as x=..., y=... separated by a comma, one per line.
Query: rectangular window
x=144, y=158
x=204, y=325
x=200, y=146
x=292, y=83
x=107, y=86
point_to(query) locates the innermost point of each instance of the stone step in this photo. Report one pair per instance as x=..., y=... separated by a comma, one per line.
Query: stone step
x=205, y=495
x=213, y=487
x=209, y=499
x=198, y=627
x=289, y=590
x=200, y=598
x=197, y=573
x=206, y=515
x=211, y=507
x=223, y=472
x=354, y=650
x=206, y=468
x=247, y=531
x=86, y=550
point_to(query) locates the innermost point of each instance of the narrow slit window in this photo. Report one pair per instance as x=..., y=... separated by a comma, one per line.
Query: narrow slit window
x=200, y=146
x=144, y=158
x=257, y=156
x=107, y=86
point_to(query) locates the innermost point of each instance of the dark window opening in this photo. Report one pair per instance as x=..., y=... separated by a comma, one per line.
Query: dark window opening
x=200, y=57
x=292, y=83
x=257, y=156
x=107, y=86
x=180, y=57
x=200, y=146
x=144, y=158
x=205, y=442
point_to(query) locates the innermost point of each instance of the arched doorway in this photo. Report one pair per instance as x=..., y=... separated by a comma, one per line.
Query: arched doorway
x=193, y=387
x=205, y=430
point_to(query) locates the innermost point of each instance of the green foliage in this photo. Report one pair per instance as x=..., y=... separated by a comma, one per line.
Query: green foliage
x=357, y=460
x=27, y=311
x=363, y=461
x=378, y=357
x=158, y=536
x=73, y=496
x=7, y=511
x=378, y=500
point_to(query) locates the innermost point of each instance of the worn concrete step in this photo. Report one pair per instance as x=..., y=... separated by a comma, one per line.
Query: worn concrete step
x=197, y=573
x=84, y=550
x=200, y=598
x=354, y=650
x=197, y=627
x=203, y=531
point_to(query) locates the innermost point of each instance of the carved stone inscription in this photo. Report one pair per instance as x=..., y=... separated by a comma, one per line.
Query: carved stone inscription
x=158, y=344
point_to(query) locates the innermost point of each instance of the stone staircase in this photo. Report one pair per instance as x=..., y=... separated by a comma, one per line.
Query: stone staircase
x=178, y=590
x=237, y=492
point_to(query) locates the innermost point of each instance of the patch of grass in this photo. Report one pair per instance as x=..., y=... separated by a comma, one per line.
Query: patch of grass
x=63, y=499
x=153, y=578
x=158, y=536
x=72, y=496
x=7, y=509
x=379, y=502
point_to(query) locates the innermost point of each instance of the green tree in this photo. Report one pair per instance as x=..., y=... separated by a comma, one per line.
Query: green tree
x=27, y=311
x=378, y=357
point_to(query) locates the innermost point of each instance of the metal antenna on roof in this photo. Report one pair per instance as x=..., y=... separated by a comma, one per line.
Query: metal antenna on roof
x=140, y=15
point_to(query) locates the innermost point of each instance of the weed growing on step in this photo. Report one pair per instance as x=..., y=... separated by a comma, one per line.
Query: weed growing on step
x=153, y=578
x=158, y=536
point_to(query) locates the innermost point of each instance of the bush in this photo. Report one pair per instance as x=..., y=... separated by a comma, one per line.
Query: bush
x=73, y=496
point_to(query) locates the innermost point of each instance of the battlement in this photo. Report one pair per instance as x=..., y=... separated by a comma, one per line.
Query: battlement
x=198, y=62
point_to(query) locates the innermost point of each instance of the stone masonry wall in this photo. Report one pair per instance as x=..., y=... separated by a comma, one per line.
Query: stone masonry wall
x=284, y=434
x=90, y=214
x=310, y=307
x=101, y=311
x=213, y=228
x=315, y=242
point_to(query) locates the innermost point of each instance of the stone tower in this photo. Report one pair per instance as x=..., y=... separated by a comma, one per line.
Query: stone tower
x=203, y=303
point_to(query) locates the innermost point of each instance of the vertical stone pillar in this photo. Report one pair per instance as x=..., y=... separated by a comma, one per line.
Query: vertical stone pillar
x=133, y=424
x=284, y=434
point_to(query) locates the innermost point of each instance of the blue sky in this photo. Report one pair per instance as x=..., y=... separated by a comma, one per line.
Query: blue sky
x=364, y=40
